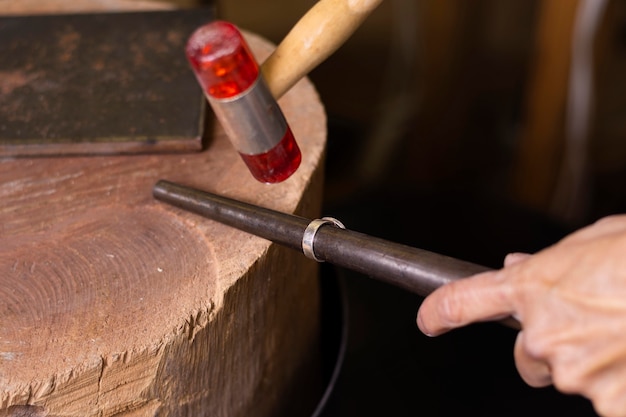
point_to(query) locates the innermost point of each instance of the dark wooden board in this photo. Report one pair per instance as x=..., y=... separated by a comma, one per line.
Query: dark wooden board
x=99, y=83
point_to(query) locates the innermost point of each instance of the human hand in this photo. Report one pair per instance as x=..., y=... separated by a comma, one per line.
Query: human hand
x=571, y=302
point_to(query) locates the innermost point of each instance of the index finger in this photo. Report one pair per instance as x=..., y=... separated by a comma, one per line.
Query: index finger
x=483, y=297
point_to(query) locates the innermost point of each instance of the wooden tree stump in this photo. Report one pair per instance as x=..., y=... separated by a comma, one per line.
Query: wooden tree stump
x=113, y=304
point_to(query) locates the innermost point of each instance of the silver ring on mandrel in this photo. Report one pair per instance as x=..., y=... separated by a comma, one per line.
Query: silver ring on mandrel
x=308, y=237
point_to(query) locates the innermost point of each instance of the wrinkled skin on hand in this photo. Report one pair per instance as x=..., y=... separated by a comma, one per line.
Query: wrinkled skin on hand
x=571, y=302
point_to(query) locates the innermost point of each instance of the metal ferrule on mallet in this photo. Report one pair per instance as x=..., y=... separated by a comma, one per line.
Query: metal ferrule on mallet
x=260, y=124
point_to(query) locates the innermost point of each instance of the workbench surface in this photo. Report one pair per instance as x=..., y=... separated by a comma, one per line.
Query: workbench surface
x=111, y=302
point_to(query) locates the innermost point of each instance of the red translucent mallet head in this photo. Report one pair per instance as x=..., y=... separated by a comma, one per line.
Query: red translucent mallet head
x=230, y=78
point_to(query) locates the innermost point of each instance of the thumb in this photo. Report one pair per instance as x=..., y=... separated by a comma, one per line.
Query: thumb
x=486, y=296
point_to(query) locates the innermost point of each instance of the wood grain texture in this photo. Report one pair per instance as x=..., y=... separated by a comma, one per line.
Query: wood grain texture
x=319, y=33
x=114, y=304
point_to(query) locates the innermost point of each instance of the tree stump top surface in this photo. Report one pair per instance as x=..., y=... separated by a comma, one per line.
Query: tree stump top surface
x=92, y=268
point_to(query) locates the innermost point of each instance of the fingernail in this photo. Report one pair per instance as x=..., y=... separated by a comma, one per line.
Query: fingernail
x=420, y=325
x=515, y=257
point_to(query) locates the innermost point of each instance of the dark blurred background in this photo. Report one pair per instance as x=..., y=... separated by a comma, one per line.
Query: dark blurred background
x=471, y=129
x=449, y=95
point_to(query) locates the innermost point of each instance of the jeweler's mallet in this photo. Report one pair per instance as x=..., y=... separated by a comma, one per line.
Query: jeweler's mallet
x=416, y=270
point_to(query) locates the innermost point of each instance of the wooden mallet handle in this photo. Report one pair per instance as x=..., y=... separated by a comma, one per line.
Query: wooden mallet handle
x=319, y=33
